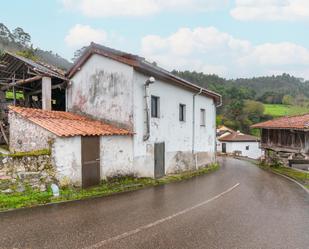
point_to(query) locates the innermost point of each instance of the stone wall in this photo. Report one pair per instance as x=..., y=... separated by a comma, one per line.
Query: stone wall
x=36, y=138
x=19, y=173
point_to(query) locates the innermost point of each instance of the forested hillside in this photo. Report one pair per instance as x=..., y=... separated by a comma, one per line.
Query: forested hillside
x=19, y=41
x=244, y=100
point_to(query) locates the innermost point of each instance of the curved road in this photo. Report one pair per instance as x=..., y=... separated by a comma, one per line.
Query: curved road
x=239, y=206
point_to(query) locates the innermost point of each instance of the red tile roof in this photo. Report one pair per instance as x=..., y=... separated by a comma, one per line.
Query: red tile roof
x=299, y=122
x=66, y=124
x=238, y=137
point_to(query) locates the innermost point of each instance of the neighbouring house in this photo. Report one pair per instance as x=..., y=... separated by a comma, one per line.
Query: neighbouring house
x=237, y=143
x=124, y=116
x=286, y=140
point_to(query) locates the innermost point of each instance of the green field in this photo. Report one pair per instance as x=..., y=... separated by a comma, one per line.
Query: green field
x=284, y=110
x=9, y=95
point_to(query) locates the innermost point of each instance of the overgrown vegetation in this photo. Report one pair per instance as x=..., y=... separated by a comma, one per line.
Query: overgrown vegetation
x=30, y=153
x=33, y=198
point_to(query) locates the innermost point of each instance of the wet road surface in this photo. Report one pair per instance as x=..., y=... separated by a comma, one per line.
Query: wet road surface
x=239, y=206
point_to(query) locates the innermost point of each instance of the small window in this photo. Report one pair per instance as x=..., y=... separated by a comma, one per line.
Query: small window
x=182, y=112
x=203, y=117
x=155, y=105
x=247, y=147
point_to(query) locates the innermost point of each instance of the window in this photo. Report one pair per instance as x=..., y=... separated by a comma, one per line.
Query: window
x=155, y=105
x=247, y=147
x=182, y=112
x=203, y=117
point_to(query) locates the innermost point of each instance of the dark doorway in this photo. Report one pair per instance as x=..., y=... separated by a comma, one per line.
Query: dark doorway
x=159, y=160
x=90, y=161
x=223, y=147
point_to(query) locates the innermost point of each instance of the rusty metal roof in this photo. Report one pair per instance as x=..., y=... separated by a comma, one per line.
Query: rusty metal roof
x=238, y=137
x=138, y=63
x=66, y=124
x=299, y=122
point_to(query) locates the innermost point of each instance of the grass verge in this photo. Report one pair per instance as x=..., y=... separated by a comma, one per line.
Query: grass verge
x=299, y=176
x=31, y=198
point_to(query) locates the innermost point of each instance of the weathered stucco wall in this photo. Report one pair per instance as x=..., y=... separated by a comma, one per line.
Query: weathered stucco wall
x=116, y=156
x=67, y=159
x=176, y=134
x=26, y=136
x=103, y=90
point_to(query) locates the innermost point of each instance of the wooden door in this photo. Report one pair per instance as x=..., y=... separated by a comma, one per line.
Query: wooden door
x=159, y=160
x=90, y=161
x=223, y=147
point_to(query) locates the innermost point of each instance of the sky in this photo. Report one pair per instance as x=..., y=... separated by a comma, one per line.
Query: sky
x=231, y=38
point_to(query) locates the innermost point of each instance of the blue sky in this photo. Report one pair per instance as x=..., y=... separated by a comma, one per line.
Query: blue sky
x=232, y=38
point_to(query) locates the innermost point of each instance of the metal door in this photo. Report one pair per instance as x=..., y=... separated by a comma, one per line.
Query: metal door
x=223, y=147
x=90, y=161
x=159, y=160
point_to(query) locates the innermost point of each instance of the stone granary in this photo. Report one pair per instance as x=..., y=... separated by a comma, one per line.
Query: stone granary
x=167, y=124
x=286, y=140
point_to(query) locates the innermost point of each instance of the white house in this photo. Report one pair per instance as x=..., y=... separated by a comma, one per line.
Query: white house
x=235, y=142
x=167, y=124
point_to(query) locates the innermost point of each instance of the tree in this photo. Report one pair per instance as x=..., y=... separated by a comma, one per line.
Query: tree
x=287, y=100
x=21, y=37
x=78, y=53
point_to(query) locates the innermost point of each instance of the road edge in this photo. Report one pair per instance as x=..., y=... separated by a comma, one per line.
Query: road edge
x=276, y=173
x=291, y=179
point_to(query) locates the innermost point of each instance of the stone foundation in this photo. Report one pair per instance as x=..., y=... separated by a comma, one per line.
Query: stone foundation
x=281, y=158
x=19, y=173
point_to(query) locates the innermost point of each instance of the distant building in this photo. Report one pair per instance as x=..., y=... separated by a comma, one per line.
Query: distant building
x=286, y=140
x=237, y=143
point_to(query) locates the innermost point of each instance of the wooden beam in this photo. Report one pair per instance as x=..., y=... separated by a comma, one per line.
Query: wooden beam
x=3, y=133
x=46, y=93
x=61, y=85
x=20, y=82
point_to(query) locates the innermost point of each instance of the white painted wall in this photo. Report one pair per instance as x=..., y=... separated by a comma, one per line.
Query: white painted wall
x=254, y=151
x=114, y=92
x=116, y=156
x=103, y=90
x=176, y=134
x=66, y=152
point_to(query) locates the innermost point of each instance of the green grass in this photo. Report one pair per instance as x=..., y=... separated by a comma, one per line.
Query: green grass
x=32, y=198
x=283, y=110
x=9, y=95
x=300, y=176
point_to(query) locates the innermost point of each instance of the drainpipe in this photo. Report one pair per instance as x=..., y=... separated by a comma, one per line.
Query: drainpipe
x=151, y=80
x=193, y=125
x=218, y=105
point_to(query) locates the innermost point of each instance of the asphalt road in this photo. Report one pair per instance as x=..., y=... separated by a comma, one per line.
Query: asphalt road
x=239, y=206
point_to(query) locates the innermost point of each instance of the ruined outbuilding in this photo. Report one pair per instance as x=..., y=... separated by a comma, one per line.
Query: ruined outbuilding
x=28, y=83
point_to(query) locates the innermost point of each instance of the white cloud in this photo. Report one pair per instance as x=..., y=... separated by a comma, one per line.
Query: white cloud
x=107, y=8
x=271, y=10
x=81, y=35
x=209, y=50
